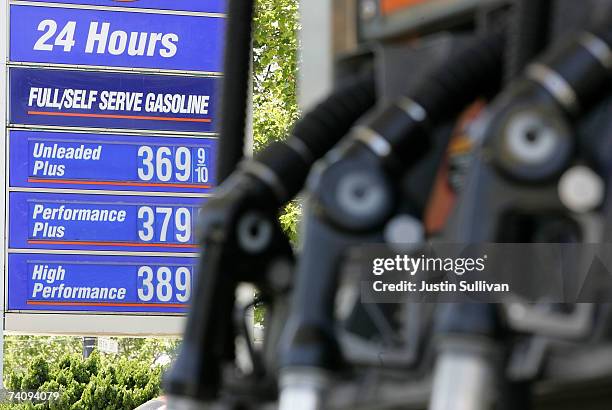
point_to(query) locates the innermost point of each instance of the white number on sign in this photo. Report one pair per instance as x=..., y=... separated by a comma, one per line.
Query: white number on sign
x=166, y=214
x=183, y=164
x=164, y=164
x=146, y=171
x=64, y=39
x=202, y=166
x=146, y=290
x=164, y=288
x=147, y=232
x=147, y=217
x=160, y=164
x=162, y=284
x=182, y=222
x=183, y=284
x=49, y=27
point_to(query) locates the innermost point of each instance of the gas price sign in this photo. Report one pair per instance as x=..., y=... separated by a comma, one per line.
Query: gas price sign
x=100, y=283
x=94, y=222
x=112, y=162
x=111, y=146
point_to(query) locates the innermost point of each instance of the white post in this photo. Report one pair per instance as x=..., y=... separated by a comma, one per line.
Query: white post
x=3, y=172
x=316, y=53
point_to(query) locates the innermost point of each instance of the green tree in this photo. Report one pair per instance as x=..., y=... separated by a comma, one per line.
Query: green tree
x=275, y=64
x=275, y=67
x=19, y=350
x=149, y=350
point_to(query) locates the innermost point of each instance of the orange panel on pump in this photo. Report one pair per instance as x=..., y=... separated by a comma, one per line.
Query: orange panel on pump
x=390, y=6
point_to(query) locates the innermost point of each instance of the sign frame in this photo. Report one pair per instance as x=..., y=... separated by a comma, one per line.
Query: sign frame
x=87, y=323
x=53, y=324
x=4, y=44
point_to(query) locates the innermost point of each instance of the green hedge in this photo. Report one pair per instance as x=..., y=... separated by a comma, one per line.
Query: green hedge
x=95, y=383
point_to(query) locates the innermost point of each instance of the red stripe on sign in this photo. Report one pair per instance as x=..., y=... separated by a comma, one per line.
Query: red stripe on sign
x=110, y=243
x=118, y=116
x=107, y=304
x=115, y=183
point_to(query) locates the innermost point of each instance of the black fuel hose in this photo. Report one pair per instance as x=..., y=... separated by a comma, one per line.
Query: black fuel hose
x=271, y=179
x=284, y=165
x=399, y=133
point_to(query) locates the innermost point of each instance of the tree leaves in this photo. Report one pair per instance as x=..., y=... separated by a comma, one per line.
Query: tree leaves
x=275, y=68
x=275, y=64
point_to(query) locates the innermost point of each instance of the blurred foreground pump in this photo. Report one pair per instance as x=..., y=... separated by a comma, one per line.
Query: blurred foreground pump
x=483, y=124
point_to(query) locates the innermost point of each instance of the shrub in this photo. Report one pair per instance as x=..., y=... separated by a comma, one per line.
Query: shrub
x=96, y=383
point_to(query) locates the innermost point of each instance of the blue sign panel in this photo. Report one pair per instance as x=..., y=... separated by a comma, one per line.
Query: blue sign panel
x=102, y=222
x=113, y=38
x=208, y=6
x=100, y=283
x=111, y=162
x=112, y=100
